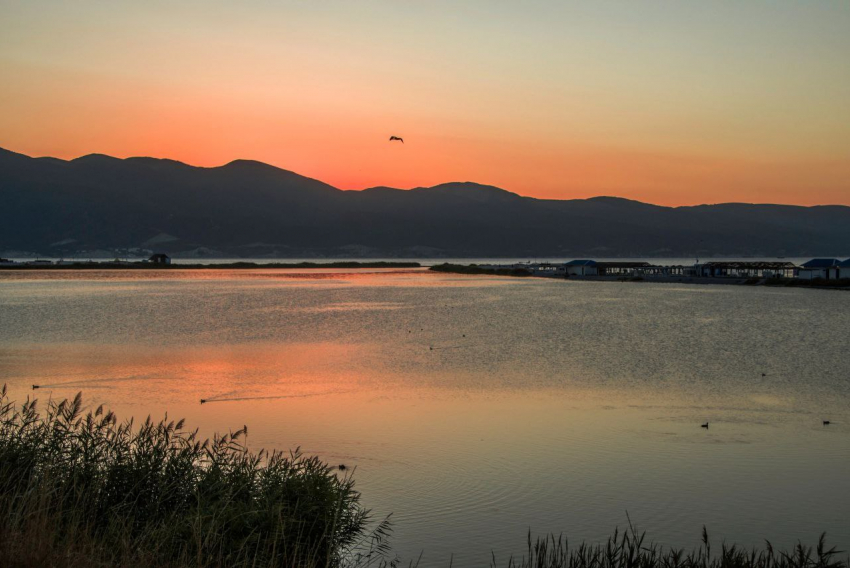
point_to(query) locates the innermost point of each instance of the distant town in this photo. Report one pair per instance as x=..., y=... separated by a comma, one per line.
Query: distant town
x=834, y=271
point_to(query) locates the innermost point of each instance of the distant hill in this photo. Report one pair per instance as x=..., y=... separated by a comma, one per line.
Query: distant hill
x=250, y=209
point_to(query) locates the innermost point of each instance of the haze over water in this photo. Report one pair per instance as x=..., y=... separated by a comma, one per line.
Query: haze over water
x=477, y=408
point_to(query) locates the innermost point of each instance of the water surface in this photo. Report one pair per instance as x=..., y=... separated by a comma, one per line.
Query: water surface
x=475, y=408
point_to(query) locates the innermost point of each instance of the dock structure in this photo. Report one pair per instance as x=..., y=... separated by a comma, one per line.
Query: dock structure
x=548, y=269
x=544, y=269
x=743, y=269
x=624, y=268
x=824, y=269
x=644, y=269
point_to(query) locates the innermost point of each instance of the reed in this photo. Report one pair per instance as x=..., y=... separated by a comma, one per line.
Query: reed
x=629, y=549
x=82, y=489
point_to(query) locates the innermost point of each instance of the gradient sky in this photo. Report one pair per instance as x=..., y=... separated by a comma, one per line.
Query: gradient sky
x=677, y=102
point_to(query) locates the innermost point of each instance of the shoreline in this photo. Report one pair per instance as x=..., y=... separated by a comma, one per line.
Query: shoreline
x=229, y=265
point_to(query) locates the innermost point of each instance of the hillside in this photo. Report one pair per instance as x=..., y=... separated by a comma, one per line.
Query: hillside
x=250, y=209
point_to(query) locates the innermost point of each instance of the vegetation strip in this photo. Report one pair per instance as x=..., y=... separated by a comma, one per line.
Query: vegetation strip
x=86, y=490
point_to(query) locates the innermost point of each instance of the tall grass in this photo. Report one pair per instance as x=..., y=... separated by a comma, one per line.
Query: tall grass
x=82, y=489
x=630, y=550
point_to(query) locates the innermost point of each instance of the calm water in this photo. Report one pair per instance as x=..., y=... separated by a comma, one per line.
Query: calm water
x=477, y=408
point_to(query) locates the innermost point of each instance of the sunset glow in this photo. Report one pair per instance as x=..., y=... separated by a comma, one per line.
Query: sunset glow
x=670, y=103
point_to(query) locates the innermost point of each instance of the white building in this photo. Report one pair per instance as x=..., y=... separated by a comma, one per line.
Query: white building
x=823, y=268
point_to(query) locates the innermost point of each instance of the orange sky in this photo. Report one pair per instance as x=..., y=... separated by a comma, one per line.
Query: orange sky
x=671, y=103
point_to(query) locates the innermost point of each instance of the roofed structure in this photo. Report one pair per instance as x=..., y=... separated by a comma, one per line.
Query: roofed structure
x=821, y=263
x=824, y=268
x=581, y=267
x=746, y=269
x=160, y=259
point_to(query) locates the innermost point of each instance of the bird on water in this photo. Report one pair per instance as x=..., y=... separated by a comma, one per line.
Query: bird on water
x=704, y=425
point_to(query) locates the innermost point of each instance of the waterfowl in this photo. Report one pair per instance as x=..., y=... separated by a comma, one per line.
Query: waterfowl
x=826, y=422
x=704, y=425
x=342, y=467
x=203, y=400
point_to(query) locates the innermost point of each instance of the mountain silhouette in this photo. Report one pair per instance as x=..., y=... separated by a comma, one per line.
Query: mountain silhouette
x=250, y=209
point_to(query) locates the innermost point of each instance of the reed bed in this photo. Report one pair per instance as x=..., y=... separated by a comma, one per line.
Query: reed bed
x=629, y=549
x=82, y=489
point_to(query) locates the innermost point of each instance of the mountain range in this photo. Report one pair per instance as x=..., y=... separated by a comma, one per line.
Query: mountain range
x=249, y=209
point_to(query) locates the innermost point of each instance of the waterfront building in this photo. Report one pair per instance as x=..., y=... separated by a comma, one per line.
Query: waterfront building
x=625, y=268
x=825, y=268
x=160, y=259
x=583, y=267
x=743, y=269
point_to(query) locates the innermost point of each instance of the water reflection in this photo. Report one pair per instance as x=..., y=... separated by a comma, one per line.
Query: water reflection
x=476, y=408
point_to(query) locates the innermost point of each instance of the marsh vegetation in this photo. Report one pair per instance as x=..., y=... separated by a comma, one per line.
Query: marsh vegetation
x=83, y=489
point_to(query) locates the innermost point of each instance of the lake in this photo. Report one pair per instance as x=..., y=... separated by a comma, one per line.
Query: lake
x=477, y=408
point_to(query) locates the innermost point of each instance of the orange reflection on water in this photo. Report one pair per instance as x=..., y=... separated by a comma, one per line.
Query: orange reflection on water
x=185, y=372
x=453, y=463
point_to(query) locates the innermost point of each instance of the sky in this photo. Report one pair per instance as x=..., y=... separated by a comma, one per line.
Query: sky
x=675, y=102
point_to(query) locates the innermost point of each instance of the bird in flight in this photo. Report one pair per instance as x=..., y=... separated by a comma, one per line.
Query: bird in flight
x=396, y=138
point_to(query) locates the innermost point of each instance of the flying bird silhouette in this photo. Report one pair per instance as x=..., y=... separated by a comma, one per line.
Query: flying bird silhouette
x=396, y=138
